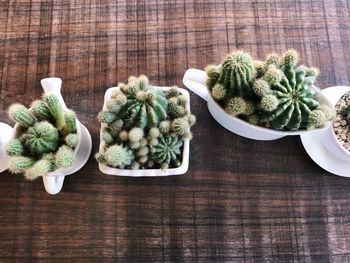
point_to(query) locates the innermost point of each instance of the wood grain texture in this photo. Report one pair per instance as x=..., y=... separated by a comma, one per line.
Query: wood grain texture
x=241, y=200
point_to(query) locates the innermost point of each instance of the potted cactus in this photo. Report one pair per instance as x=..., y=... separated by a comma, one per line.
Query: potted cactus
x=145, y=130
x=47, y=141
x=262, y=100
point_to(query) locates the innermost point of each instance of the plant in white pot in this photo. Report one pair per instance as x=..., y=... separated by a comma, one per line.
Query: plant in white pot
x=262, y=100
x=47, y=141
x=145, y=130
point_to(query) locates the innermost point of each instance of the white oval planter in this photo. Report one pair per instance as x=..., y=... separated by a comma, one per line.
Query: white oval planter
x=323, y=147
x=53, y=181
x=195, y=80
x=146, y=172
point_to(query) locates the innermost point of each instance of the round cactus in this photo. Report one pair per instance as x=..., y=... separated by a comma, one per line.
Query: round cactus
x=64, y=157
x=296, y=100
x=56, y=110
x=15, y=148
x=269, y=102
x=19, y=164
x=107, y=117
x=135, y=134
x=180, y=126
x=236, y=106
x=19, y=113
x=72, y=140
x=219, y=92
x=290, y=58
x=213, y=76
x=118, y=156
x=40, y=110
x=237, y=72
x=317, y=119
x=167, y=150
x=261, y=87
x=42, y=138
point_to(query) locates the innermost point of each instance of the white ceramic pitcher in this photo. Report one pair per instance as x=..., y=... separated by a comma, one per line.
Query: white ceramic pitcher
x=195, y=80
x=53, y=181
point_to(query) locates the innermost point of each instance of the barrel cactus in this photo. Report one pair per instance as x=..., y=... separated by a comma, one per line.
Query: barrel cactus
x=291, y=97
x=135, y=122
x=167, y=150
x=45, y=139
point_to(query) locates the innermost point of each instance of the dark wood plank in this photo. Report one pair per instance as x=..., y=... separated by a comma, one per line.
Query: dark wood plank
x=241, y=201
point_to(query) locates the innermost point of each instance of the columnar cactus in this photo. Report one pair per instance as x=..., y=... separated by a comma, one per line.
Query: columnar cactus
x=137, y=119
x=45, y=138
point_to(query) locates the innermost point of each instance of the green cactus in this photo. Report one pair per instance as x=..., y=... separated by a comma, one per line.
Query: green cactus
x=107, y=117
x=144, y=108
x=40, y=110
x=317, y=119
x=237, y=106
x=180, y=125
x=295, y=97
x=70, y=121
x=19, y=164
x=40, y=168
x=345, y=111
x=167, y=150
x=72, y=140
x=237, y=72
x=135, y=134
x=41, y=138
x=19, y=113
x=56, y=110
x=118, y=156
x=213, y=74
x=15, y=148
x=64, y=157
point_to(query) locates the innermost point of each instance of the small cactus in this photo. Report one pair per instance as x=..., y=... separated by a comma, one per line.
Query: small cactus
x=213, y=76
x=137, y=116
x=19, y=164
x=42, y=138
x=40, y=110
x=317, y=119
x=19, y=113
x=219, y=92
x=118, y=156
x=236, y=106
x=72, y=140
x=64, y=157
x=15, y=148
x=167, y=150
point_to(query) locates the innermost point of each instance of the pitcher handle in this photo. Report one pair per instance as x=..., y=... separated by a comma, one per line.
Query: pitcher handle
x=195, y=80
x=53, y=85
x=53, y=182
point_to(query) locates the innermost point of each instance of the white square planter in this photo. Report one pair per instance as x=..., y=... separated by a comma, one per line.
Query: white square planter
x=146, y=172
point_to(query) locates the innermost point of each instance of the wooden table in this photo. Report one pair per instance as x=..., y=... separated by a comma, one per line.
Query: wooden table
x=241, y=200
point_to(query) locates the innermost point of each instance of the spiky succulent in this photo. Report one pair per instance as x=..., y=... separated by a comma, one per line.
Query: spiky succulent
x=167, y=151
x=135, y=119
x=45, y=138
x=236, y=73
x=41, y=138
x=275, y=93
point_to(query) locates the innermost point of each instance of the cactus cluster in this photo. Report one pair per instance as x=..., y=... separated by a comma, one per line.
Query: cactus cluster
x=144, y=127
x=275, y=93
x=45, y=138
